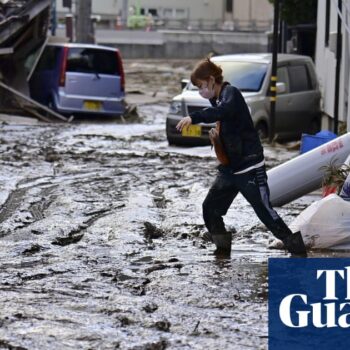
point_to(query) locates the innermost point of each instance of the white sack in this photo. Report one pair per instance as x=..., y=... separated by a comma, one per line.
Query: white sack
x=325, y=223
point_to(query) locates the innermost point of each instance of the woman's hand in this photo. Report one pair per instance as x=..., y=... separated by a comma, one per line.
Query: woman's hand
x=184, y=123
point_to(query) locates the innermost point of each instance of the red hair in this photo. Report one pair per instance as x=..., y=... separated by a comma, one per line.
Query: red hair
x=204, y=69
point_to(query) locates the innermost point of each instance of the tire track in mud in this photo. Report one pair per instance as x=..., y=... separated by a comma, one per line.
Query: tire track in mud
x=76, y=235
x=35, y=211
x=48, y=189
x=12, y=203
x=9, y=345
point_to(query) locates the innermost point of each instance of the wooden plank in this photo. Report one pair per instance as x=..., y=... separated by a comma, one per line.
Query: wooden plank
x=34, y=103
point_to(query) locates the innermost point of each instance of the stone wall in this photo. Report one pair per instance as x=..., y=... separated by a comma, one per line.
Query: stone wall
x=181, y=44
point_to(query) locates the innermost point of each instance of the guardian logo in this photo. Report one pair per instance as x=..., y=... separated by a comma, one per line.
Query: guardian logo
x=309, y=304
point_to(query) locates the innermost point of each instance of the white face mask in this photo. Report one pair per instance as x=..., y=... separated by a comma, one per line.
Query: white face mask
x=207, y=92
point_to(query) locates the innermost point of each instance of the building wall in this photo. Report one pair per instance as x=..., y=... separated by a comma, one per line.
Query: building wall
x=196, y=9
x=260, y=10
x=181, y=44
x=99, y=6
x=210, y=10
x=326, y=61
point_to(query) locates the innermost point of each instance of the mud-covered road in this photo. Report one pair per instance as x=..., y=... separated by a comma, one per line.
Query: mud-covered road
x=101, y=248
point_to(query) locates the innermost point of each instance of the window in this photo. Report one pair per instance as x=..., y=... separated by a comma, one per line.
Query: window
x=229, y=6
x=49, y=58
x=168, y=13
x=299, y=78
x=180, y=13
x=246, y=76
x=282, y=76
x=328, y=13
x=153, y=12
x=67, y=3
x=86, y=60
x=147, y=11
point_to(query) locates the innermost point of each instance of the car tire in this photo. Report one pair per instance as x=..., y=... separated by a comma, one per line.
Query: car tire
x=261, y=128
x=51, y=104
x=171, y=141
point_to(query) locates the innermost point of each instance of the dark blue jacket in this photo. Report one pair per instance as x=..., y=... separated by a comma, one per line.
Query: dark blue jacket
x=241, y=140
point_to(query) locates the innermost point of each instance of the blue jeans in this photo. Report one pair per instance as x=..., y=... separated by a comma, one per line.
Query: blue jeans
x=253, y=186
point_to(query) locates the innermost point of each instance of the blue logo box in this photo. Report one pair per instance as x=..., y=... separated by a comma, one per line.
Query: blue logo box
x=309, y=304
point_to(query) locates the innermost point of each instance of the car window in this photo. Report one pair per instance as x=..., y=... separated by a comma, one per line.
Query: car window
x=87, y=60
x=299, y=78
x=246, y=76
x=48, y=59
x=282, y=76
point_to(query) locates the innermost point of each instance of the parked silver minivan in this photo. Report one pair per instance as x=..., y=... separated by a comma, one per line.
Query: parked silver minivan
x=298, y=101
x=80, y=79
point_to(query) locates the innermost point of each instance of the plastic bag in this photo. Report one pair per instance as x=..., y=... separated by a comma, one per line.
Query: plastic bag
x=325, y=223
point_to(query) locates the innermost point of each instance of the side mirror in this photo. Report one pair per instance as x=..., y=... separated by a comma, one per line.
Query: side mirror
x=281, y=88
x=184, y=83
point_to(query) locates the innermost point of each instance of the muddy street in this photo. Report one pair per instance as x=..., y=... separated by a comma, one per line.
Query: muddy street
x=101, y=241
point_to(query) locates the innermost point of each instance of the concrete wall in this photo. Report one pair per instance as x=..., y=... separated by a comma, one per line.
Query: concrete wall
x=181, y=44
x=196, y=9
x=243, y=10
x=108, y=7
x=326, y=62
x=252, y=10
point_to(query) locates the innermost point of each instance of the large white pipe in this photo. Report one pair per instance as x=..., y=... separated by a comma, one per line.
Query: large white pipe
x=302, y=174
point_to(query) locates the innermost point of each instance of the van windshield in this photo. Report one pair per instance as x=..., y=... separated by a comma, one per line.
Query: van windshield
x=246, y=76
x=95, y=61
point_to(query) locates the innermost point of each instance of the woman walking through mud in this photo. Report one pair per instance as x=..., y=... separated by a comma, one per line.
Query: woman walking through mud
x=242, y=167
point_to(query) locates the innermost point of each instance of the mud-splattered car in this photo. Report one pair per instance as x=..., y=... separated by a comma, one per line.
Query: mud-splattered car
x=80, y=79
x=298, y=102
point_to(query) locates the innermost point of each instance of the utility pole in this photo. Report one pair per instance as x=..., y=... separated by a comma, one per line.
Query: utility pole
x=337, y=70
x=84, y=26
x=273, y=89
x=125, y=11
x=69, y=20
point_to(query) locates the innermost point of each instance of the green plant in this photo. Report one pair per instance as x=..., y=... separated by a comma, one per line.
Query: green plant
x=342, y=128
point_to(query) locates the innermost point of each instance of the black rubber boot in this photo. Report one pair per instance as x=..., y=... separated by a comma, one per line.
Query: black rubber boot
x=295, y=245
x=223, y=244
x=208, y=237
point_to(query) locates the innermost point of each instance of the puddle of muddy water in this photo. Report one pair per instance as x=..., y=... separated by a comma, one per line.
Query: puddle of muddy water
x=101, y=242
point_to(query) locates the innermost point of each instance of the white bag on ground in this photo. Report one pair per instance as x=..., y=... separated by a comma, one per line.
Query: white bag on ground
x=325, y=223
